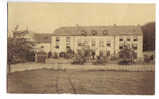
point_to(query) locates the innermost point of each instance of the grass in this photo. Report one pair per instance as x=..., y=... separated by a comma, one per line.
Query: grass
x=81, y=82
x=85, y=67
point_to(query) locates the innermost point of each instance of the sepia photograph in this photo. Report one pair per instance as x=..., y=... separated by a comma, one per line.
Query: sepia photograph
x=81, y=48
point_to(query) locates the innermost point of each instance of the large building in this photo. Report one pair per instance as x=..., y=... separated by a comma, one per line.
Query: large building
x=108, y=40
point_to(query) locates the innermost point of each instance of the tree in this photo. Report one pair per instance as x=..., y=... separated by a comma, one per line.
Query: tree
x=149, y=36
x=127, y=55
x=69, y=53
x=19, y=50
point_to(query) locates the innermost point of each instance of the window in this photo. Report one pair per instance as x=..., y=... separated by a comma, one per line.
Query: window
x=93, y=43
x=57, y=39
x=85, y=42
x=105, y=32
x=121, y=39
x=101, y=43
x=67, y=39
x=135, y=55
x=94, y=32
x=101, y=53
x=57, y=46
x=67, y=46
x=120, y=47
x=135, y=39
x=108, y=44
x=84, y=33
x=134, y=46
x=79, y=42
x=67, y=43
x=127, y=45
x=108, y=53
x=128, y=39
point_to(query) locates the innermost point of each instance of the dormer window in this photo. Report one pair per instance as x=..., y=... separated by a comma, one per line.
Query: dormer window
x=84, y=33
x=128, y=39
x=105, y=32
x=94, y=32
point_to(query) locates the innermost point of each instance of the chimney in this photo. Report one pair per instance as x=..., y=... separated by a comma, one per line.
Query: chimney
x=77, y=25
x=114, y=25
x=138, y=24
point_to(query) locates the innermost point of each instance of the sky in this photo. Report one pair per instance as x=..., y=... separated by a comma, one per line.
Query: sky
x=46, y=17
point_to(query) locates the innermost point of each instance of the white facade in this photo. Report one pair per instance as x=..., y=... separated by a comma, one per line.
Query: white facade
x=44, y=47
x=109, y=43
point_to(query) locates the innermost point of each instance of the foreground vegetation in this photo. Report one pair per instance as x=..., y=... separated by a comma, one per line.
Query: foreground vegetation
x=81, y=82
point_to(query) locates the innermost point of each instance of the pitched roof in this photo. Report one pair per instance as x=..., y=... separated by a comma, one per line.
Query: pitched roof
x=42, y=38
x=20, y=33
x=98, y=30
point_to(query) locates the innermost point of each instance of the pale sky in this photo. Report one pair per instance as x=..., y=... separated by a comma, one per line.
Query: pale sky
x=46, y=17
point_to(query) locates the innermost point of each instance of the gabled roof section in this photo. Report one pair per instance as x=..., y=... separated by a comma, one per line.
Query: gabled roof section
x=20, y=33
x=98, y=30
x=42, y=37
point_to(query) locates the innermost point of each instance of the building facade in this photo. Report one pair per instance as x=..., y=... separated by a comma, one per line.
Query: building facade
x=41, y=41
x=106, y=40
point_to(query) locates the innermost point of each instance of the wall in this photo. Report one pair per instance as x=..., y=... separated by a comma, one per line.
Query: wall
x=114, y=40
x=46, y=47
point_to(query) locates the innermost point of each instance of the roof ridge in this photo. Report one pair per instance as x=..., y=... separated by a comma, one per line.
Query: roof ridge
x=112, y=29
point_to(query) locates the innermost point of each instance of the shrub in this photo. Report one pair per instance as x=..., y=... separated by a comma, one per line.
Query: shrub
x=124, y=62
x=100, y=60
x=49, y=55
x=78, y=60
x=69, y=53
x=30, y=56
x=62, y=54
x=55, y=55
x=152, y=57
x=114, y=58
x=127, y=56
x=147, y=59
x=19, y=50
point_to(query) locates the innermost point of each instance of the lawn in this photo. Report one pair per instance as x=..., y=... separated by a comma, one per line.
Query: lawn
x=81, y=82
x=85, y=67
